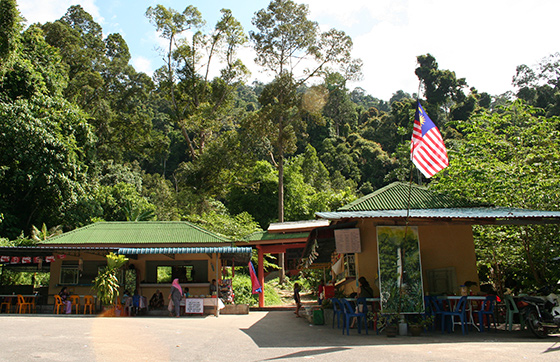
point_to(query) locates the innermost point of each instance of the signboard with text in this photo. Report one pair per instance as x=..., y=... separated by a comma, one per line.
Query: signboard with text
x=194, y=306
x=347, y=241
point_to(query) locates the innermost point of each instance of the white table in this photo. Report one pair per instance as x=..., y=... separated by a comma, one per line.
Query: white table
x=470, y=299
x=196, y=305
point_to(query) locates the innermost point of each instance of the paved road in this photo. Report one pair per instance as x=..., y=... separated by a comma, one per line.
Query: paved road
x=259, y=336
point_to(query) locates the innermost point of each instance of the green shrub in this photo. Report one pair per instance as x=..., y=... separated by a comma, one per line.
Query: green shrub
x=243, y=290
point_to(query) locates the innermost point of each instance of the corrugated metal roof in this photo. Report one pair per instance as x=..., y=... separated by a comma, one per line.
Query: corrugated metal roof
x=142, y=232
x=396, y=195
x=474, y=214
x=194, y=250
x=293, y=226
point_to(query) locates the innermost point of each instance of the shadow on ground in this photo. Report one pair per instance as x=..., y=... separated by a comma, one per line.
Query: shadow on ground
x=284, y=330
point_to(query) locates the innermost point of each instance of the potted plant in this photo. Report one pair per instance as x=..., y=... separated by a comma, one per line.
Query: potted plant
x=386, y=322
x=417, y=323
x=106, y=284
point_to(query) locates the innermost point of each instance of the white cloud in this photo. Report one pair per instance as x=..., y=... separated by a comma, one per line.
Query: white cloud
x=142, y=64
x=49, y=10
x=482, y=41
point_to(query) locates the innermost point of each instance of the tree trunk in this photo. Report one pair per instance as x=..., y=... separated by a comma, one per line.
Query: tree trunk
x=282, y=274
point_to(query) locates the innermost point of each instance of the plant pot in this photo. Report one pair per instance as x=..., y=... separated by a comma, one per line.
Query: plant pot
x=403, y=329
x=415, y=330
x=391, y=330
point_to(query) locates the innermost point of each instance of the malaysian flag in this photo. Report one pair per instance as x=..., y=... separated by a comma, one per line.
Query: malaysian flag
x=427, y=150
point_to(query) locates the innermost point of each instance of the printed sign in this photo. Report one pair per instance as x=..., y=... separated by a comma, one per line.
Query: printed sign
x=194, y=306
x=347, y=241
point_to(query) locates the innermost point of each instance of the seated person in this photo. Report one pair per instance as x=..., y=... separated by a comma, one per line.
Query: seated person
x=157, y=300
x=213, y=287
x=186, y=293
x=64, y=296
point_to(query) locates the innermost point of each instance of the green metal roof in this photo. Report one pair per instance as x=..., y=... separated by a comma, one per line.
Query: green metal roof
x=396, y=195
x=141, y=232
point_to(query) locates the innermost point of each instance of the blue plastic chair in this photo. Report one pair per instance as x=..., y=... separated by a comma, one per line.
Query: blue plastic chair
x=338, y=312
x=487, y=309
x=436, y=307
x=459, y=311
x=349, y=313
x=429, y=311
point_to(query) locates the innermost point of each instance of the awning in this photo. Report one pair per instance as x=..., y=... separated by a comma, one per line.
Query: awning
x=321, y=244
x=238, y=254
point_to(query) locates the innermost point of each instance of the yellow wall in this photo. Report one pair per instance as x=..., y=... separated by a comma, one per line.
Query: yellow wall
x=145, y=289
x=441, y=246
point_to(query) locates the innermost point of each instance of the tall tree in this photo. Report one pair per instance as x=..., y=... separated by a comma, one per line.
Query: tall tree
x=10, y=26
x=290, y=46
x=540, y=86
x=442, y=88
x=199, y=104
x=45, y=142
x=101, y=82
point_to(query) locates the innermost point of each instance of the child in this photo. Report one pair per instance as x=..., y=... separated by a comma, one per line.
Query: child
x=297, y=299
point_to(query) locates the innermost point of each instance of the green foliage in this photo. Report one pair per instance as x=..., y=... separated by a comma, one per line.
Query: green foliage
x=13, y=276
x=45, y=146
x=45, y=233
x=242, y=288
x=106, y=284
x=257, y=194
x=235, y=227
x=510, y=158
x=10, y=25
x=123, y=202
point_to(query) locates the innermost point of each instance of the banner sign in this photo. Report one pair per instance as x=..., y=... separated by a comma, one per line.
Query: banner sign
x=29, y=259
x=194, y=306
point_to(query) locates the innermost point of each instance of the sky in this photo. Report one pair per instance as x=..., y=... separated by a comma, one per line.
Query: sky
x=482, y=41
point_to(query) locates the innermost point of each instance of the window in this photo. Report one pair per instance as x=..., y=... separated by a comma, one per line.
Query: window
x=350, y=265
x=164, y=274
x=442, y=281
x=167, y=273
x=184, y=273
x=187, y=271
x=69, y=274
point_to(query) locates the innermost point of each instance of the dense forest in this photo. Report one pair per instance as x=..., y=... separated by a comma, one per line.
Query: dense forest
x=85, y=137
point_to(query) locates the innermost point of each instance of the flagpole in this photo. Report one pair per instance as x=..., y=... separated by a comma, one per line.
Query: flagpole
x=408, y=205
x=412, y=165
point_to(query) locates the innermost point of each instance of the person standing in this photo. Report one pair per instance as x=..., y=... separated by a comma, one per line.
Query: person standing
x=297, y=298
x=175, y=296
x=321, y=292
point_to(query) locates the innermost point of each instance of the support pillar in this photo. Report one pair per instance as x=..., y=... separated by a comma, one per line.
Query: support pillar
x=260, y=275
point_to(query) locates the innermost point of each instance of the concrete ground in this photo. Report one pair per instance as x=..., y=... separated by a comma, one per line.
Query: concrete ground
x=259, y=336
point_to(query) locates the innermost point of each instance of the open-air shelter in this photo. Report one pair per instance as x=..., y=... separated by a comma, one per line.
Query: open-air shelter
x=158, y=252
x=442, y=225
